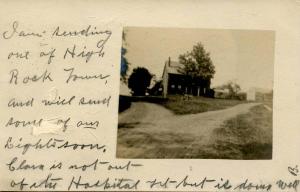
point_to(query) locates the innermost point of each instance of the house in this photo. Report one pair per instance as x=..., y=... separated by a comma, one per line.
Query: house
x=175, y=82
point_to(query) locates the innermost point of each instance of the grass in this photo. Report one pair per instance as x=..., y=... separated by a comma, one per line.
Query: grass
x=197, y=104
x=250, y=135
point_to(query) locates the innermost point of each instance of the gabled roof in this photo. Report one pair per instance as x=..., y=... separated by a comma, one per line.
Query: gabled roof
x=172, y=67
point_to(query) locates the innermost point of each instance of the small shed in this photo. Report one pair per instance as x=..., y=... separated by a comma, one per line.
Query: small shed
x=251, y=94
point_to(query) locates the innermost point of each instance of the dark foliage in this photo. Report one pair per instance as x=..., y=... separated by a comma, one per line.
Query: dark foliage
x=124, y=62
x=139, y=81
x=198, y=66
x=124, y=103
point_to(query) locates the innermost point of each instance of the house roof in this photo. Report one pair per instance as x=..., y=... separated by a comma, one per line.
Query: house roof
x=172, y=67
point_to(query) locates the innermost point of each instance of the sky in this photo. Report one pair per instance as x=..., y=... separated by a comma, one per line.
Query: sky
x=243, y=56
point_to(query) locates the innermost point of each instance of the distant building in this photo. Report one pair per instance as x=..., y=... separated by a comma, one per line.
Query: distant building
x=258, y=94
x=221, y=93
x=176, y=83
x=251, y=94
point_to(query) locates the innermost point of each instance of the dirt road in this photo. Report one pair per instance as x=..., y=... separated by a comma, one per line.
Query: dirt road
x=145, y=127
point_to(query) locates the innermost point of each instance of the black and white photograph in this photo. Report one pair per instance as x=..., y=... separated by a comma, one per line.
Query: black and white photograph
x=196, y=94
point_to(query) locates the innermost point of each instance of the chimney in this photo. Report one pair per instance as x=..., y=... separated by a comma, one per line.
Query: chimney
x=169, y=61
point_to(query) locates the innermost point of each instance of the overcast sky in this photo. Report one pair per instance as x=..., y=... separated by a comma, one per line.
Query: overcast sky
x=246, y=56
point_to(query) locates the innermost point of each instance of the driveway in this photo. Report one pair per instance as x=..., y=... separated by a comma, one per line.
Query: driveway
x=146, y=126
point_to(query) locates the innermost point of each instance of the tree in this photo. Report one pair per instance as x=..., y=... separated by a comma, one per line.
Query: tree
x=139, y=81
x=124, y=62
x=124, y=65
x=198, y=66
x=232, y=87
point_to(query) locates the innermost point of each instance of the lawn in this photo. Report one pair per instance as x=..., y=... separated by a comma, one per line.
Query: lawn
x=248, y=136
x=179, y=106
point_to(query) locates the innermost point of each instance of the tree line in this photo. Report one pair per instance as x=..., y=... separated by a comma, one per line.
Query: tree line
x=197, y=66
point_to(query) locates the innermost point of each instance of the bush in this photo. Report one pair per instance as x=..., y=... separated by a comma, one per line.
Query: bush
x=124, y=103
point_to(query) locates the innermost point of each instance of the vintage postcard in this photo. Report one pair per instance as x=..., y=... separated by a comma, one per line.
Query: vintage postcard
x=149, y=95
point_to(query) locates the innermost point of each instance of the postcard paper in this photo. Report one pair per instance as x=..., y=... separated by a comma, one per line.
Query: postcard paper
x=149, y=95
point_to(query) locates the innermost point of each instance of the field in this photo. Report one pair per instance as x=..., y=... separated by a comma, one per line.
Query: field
x=179, y=106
